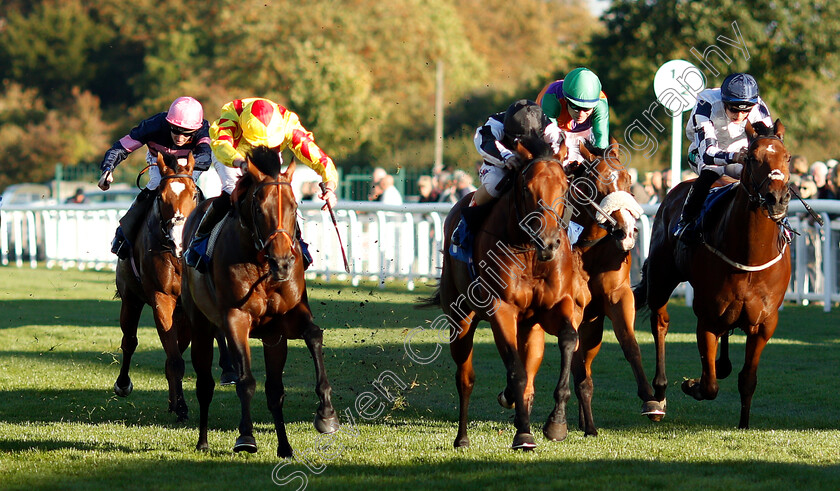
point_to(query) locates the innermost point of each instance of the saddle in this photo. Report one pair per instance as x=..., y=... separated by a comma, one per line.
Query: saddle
x=707, y=222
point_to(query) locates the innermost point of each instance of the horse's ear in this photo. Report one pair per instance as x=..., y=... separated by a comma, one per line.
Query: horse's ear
x=562, y=151
x=612, y=150
x=585, y=153
x=290, y=170
x=779, y=129
x=186, y=168
x=252, y=170
x=161, y=163
x=751, y=133
x=522, y=151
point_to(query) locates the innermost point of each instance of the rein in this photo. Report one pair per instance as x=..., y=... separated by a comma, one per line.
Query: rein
x=260, y=243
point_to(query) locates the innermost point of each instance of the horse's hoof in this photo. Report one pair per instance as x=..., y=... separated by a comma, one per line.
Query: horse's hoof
x=523, y=441
x=462, y=442
x=692, y=388
x=202, y=446
x=555, y=432
x=654, y=410
x=285, y=451
x=245, y=443
x=326, y=425
x=504, y=402
x=228, y=378
x=123, y=391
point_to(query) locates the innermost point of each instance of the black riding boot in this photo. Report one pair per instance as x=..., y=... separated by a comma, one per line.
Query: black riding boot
x=196, y=255
x=692, y=207
x=130, y=223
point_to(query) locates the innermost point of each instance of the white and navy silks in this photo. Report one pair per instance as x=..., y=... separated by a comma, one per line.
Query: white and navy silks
x=714, y=138
x=154, y=132
x=488, y=143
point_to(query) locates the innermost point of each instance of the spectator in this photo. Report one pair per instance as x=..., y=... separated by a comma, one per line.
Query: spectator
x=799, y=177
x=375, y=189
x=819, y=171
x=428, y=193
x=656, y=188
x=446, y=184
x=388, y=193
x=78, y=198
x=636, y=188
x=463, y=184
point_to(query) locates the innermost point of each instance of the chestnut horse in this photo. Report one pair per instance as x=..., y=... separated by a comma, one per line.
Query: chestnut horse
x=254, y=287
x=600, y=201
x=152, y=275
x=739, y=274
x=528, y=282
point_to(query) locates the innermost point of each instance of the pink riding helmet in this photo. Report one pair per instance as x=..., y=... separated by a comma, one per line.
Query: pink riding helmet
x=186, y=112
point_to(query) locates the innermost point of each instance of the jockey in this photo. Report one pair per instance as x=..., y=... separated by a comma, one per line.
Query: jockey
x=718, y=146
x=244, y=124
x=177, y=132
x=579, y=108
x=496, y=141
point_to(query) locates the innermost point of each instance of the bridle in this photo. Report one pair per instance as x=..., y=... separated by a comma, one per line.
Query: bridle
x=521, y=191
x=167, y=226
x=261, y=243
x=754, y=190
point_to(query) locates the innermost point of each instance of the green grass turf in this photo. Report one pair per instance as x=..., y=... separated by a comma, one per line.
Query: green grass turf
x=61, y=426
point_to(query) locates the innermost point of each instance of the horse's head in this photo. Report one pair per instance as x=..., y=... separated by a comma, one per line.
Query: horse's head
x=268, y=210
x=540, y=195
x=766, y=173
x=176, y=198
x=601, y=191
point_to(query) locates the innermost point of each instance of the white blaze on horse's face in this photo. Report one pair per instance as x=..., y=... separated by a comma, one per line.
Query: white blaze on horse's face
x=177, y=232
x=629, y=227
x=177, y=188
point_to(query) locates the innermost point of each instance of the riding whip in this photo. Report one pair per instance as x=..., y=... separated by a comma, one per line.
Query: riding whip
x=807, y=207
x=335, y=224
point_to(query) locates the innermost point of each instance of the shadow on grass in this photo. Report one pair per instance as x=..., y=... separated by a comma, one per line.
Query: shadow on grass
x=459, y=472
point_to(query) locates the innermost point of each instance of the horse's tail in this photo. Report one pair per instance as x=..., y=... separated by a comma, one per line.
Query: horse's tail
x=640, y=291
x=429, y=302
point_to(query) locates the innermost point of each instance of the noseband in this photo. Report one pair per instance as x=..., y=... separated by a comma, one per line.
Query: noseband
x=261, y=243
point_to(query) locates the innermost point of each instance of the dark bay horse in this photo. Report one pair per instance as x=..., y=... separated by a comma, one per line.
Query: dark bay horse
x=739, y=274
x=254, y=287
x=600, y=202
x=528, y=283
x=152, y=276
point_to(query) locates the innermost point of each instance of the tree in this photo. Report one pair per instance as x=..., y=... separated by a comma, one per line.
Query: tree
x=791, y=49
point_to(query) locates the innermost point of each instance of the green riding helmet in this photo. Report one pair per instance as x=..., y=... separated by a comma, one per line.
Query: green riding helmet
x=582, y=88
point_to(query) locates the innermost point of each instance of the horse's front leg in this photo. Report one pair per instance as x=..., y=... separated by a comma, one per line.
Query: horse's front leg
x=129, y=318
x=461, y=350
x=659, y=322
x=747, y=378
x=505, y=329
x=237, y=328
x=590, y=333
x=326, y=421
x=556, y=427
x=621, y=311
x=275, y=350
x=164, y=306
x=706, y=387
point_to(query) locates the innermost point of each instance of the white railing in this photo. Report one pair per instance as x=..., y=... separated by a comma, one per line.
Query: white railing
x=383, y=243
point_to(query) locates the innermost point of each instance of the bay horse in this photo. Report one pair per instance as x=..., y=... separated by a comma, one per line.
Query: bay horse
x=739, y=274
x=600, y=202
x=254, y=287
x=152, y=276
x=528, y=282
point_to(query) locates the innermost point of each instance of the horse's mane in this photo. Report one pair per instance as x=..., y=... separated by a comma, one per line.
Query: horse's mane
x=170, y=161
x=266, y=160
x=762, y=129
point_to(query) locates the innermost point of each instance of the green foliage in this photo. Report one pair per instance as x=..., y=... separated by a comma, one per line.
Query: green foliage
x=792, y=50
